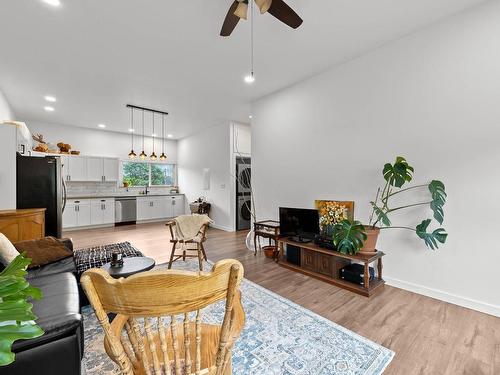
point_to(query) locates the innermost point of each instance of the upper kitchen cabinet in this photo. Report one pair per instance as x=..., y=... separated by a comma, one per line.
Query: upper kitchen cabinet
x=89, y=168
x=74, y=168
x=102, y=169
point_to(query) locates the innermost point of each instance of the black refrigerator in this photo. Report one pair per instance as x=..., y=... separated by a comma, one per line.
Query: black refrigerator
x=40, y=185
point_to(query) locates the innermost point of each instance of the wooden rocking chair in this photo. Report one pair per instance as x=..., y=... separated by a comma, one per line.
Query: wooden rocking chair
x=200, y=249
x=158, y=328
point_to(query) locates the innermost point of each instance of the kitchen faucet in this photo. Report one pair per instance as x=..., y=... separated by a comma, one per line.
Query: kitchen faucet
x=146, y=191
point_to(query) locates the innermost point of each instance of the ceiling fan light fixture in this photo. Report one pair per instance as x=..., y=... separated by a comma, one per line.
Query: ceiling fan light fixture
x=249, y=78
x=242, y=10
x=263, y=5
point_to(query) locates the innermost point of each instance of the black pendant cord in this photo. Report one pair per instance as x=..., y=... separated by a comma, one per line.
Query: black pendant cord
x=142, y=130
x=162, y=134
x=251, y=36
x=132, y=123
x=153, y=134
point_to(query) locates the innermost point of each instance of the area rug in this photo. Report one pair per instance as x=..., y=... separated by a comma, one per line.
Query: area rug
x=279, y=338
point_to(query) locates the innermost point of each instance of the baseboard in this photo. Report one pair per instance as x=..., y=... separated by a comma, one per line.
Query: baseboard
x=222, y=227
x=444, y=296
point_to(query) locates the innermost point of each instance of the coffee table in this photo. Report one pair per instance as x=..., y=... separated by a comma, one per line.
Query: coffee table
x=130, y=267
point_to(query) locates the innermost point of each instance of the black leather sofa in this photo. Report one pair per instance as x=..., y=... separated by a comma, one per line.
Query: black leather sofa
x=60, y=349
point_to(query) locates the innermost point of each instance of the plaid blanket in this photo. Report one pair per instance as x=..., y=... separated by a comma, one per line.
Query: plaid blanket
x=96, y=256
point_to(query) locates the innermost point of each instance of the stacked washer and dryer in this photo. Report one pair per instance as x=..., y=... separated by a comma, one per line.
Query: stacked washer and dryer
x=243, y=193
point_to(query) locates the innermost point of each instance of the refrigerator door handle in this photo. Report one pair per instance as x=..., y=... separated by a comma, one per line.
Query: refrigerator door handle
x=65, y=195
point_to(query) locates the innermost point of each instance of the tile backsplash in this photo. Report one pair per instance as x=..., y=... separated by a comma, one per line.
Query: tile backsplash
x=111, y=188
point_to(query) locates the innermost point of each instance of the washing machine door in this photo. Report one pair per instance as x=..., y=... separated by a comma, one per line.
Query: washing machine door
x=245, y=177
x=245, y=210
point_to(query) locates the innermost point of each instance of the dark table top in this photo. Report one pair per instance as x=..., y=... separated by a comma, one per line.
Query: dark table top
x=130, y=267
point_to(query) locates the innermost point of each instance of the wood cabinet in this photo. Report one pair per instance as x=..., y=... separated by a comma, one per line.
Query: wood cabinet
x=325, y=264
x=21, y=225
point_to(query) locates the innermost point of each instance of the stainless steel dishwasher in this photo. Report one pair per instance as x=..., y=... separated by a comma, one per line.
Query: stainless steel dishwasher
x=125, y=210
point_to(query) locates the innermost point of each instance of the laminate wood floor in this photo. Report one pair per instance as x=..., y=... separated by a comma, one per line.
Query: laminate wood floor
x=428, y=336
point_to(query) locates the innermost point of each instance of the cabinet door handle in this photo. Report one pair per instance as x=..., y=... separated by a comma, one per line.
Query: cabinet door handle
x=104, y=206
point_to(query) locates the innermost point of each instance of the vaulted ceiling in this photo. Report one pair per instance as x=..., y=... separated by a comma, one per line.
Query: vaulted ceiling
x=95, y=56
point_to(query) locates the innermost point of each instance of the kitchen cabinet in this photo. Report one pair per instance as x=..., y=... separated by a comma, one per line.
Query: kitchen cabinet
x=102, y=169
x=102, y=211
x=90, y=168
x=77, y=213
x=152, y=208
x=74, y=168
x=177, y=205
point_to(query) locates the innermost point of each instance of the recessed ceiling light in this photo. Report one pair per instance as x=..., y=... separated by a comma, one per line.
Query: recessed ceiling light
x=49, y=109
x=101, y=126
x=131, y=130
x=169, y=135
x=50, y=98
x=249, y=78
x=250, y=116
x=54, y=3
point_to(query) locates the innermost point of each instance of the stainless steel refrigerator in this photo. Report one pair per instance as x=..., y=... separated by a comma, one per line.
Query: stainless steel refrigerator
x=40, y=185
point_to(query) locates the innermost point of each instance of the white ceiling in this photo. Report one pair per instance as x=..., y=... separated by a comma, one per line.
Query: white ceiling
x=95, y=56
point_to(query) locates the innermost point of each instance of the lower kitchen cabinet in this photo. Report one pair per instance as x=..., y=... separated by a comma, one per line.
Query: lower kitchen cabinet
x=152, y=208
x=77, y=213
x=102, y=211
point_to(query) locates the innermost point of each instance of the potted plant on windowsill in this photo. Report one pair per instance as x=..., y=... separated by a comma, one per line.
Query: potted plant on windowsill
x=352, y=237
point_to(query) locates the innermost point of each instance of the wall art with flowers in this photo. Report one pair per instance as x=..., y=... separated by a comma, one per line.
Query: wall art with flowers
x=333, y=212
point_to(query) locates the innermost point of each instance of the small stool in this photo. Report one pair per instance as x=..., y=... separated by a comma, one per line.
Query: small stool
x=198, y=240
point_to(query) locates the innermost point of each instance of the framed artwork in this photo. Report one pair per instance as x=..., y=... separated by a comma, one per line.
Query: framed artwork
x=332, y=212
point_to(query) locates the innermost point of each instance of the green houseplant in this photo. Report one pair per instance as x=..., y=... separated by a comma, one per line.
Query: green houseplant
x=397, y=176
x=16, y=317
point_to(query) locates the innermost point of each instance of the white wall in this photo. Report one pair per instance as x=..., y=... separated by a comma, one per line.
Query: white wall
x=7, y=157
x=100, y=142
x=432, y=97
x=208, y=149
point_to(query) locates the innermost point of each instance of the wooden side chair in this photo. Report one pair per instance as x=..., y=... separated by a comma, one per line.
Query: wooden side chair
x=158, y=328
x=197, y=241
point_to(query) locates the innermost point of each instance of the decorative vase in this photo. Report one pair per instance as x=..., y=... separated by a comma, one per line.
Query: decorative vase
x=369, y=247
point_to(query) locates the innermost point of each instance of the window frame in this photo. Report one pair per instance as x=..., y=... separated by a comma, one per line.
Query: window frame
x=149, y=163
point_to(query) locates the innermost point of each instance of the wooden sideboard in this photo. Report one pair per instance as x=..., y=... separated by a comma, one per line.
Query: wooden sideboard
x=21, y=225
x=325, y=264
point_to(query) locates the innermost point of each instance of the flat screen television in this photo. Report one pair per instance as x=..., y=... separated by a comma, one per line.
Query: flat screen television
x=301, y=224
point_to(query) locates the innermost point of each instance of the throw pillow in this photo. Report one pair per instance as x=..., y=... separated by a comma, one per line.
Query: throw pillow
x=44, y=251
x=7, y=250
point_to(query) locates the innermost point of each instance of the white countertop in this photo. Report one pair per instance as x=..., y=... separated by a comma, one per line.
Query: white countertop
x=92, y=196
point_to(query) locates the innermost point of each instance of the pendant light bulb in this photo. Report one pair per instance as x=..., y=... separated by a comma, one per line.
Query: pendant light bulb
x=153, y=156
x=163, y=157
x=132, y=155
x=250, y=78
x=143, y=155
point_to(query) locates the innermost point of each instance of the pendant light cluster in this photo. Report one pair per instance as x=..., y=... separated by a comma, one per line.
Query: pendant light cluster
x=143, y=155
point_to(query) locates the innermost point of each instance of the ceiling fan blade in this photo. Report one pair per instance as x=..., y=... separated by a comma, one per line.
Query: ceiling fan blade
x=241, y=10
x=230, y=21
x=285, y=14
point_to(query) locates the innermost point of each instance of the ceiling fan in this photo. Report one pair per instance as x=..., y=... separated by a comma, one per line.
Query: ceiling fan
x=277, y=8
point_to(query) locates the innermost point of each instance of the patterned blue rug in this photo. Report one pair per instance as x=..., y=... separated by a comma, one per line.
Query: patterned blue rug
x=279, y=338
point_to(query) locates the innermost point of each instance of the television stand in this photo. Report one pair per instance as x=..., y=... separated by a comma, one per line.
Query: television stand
x=325, y=265
x=299, y=239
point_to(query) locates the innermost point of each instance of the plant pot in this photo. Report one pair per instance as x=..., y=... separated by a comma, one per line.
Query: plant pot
x=369, y=248
x=268, y=251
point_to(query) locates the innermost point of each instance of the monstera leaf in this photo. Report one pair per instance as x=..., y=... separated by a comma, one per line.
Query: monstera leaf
x=438, y=193
x=399, y=173
x=381, y=215
x=16, y=317
x=349, y=236
x=431, y=239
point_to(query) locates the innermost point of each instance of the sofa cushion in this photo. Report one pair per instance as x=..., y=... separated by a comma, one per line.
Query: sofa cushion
x=65, y=265
x=58, y=312
x=43, y=251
